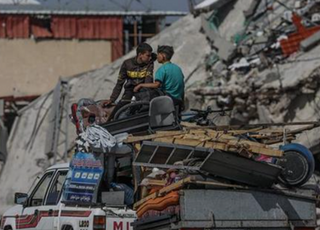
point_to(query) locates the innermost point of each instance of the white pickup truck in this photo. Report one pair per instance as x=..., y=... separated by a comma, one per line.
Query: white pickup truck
x=43, y=209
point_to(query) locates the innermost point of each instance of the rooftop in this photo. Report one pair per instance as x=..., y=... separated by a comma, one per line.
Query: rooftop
x=59, y=166
x=96, y=7
x=93, y=12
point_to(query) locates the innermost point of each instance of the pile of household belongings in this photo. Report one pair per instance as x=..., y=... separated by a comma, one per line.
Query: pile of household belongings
x=203, y=157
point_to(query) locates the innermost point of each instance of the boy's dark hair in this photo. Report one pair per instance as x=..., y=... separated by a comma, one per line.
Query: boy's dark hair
x=143, y=47
x=167, y=51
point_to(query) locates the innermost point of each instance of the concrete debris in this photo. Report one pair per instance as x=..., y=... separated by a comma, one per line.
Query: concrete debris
x=272, y=74
x=209, y=5
x=3, y=143
x=310, y=42
x=252, y=8
x=252, y=29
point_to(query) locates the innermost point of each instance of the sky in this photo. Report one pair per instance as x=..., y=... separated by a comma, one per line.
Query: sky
x=112, y=5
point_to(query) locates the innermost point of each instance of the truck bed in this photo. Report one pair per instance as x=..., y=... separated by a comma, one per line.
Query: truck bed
x=237, y=209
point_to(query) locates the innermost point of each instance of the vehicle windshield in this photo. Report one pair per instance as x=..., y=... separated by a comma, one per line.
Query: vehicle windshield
x=34, y=183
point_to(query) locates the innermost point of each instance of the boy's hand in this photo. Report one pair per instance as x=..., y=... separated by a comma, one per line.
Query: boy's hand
x=137, y=88
x=106, y=103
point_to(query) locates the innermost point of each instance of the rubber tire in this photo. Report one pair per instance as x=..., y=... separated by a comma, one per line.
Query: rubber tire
x=125, y=107
x=299, y=174
x=67, y=227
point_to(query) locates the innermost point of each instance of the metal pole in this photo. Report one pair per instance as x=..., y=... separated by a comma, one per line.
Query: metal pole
x=135, y=32
x=66, y=117
x=56, y=130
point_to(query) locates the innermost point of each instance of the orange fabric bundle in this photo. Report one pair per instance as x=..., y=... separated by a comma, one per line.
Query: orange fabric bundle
x=159, y=203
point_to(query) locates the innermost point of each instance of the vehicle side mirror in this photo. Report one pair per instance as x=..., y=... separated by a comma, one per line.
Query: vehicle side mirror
x=20, y=198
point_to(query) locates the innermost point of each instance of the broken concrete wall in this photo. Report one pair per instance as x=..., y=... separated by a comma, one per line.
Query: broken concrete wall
x=3, y=142
x=258, y=81
x=255, y=100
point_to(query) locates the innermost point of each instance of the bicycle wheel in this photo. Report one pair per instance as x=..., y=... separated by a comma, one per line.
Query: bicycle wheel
x=131, y=109
x=298, y=165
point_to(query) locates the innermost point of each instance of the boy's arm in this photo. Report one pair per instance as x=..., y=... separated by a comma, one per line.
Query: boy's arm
x=157, y=84
x=154, y=85
x=118, y=87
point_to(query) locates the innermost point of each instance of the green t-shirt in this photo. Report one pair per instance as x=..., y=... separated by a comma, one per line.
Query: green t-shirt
x=172, y=80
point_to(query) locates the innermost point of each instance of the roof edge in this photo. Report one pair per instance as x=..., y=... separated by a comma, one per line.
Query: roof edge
x=92, y=12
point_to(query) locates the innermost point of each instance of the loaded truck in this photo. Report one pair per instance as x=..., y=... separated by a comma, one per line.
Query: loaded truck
x=80, y=196
x=44, y=209
x=218, y=208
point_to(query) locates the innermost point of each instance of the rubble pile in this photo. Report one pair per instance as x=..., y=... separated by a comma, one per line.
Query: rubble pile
x=249, y=96
x=269, y=70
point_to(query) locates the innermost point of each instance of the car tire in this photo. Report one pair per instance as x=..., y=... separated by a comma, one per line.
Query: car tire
x=67, y=227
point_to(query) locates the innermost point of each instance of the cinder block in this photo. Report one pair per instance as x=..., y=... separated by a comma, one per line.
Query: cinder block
x=310, y=42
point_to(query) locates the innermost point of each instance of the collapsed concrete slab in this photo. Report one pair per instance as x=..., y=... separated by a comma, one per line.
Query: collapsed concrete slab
x=3, y=142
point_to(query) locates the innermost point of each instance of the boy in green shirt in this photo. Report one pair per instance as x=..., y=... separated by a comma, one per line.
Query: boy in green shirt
x=169, y=77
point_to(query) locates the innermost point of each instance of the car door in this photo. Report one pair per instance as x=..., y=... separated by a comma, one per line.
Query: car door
x=53, y=197
x=35, y=213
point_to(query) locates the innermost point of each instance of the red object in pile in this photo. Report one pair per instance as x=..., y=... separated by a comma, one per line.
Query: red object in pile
x=292, y=44
x=74, y=108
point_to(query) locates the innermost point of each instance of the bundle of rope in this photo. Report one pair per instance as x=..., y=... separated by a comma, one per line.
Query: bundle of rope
x=98, y=137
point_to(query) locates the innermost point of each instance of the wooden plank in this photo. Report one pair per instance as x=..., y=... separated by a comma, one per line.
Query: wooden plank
x=266, y=151
x=171, y=132
x=133, y=139
x=156, y=182
x=179, y=141
x=189, y=125
x=214, y=139
x=226, y=145
x=262, y=149
x=223, y=138
x=249, y=126
x=189, y=142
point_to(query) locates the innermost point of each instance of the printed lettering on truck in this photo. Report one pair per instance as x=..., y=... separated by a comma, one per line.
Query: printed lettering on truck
x=84, y=224
x=121, y=225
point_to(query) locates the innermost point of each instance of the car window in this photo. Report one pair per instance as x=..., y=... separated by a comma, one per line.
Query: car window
x=39, y=193
x=34, y=184
x=56, y=187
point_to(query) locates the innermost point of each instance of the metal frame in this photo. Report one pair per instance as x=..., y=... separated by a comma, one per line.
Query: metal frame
x=234, y=210
x=57, y=135
x=223, y=164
